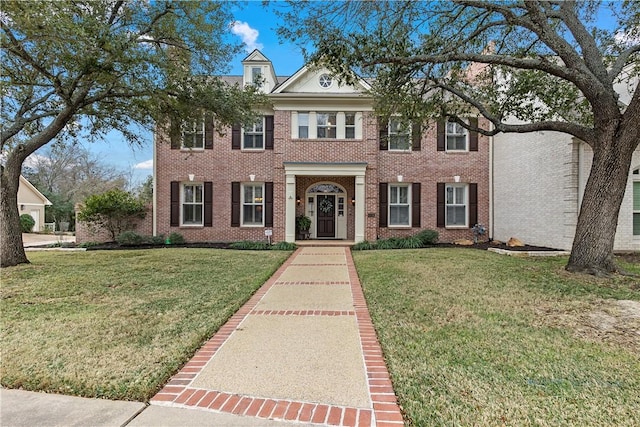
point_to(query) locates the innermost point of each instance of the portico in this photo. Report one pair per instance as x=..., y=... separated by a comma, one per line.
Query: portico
x=326, y=170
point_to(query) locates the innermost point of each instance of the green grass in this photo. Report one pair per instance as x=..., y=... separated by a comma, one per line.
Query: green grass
x=118, y=324
x=476, y=338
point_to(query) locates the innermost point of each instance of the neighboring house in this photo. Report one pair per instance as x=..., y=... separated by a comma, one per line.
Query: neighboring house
x=319, y=151
x=32, y=202
x=538, y=181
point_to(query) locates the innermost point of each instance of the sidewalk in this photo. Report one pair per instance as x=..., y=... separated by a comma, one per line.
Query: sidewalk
x=301, y=351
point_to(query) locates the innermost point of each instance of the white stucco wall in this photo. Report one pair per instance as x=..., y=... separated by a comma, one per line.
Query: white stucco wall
x=535, y=188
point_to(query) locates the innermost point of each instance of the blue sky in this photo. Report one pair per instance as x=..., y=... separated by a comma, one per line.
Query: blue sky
x=255, y=26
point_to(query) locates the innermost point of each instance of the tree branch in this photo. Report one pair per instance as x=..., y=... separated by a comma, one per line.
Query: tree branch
x=621, y=61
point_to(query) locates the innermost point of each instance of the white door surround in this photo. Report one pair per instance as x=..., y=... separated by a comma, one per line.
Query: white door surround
x=293, y=169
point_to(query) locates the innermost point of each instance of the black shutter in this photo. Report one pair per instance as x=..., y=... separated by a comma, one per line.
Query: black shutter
x=440, y=217
x=473, y=136
x=268, y=204
x=383, y=202
x=175, y=134
x=473, y=204
x=440, y=127
x=268, y=132
x=208, y=204
x=416, y=137
x=235, y=204
x=174, y=219
x=415, y=204
x=208, y=131
x=236, y=136
x=383, y=134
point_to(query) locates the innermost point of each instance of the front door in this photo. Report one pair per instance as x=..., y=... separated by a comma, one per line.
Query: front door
x=326, y=216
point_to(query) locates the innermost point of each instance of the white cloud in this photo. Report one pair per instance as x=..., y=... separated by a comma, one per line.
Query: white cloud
x=248, y=35
x=147, y=164
x=628, y=38
x=36, y=159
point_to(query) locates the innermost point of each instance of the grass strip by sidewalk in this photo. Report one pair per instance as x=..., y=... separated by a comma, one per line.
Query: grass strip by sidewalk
x=476, y=338
x=118, y=324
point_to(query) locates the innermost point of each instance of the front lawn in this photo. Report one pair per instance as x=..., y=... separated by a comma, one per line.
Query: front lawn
x=476, y=338
x=118, y=324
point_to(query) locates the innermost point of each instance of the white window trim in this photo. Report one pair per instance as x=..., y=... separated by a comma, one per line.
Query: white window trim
x=242, y=204
x=242, y=146
x=389, y=133
x=340, y=126
x=182, y=203
x=446, y=138
x=193, y=131
x=466, y=205
x=409, y=199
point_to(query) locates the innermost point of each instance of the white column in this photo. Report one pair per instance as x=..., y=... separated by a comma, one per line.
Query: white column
x=340, y=121
x=360, y=209
x=313, y=125
x=290, y=209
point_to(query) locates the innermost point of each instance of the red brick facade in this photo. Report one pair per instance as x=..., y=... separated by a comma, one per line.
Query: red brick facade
x=222, y=165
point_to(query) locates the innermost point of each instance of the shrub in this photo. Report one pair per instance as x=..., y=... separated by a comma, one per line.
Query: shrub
x=364, y=246
x=26, y=223
x=248, y=245
x=428, y=237
x=156, y=240
x=176, y=239
x=284, y=246
x=410, y=242
x=130, y=238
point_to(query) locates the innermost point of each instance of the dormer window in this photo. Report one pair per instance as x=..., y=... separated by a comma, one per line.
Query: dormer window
x=325, y=81
x=256, y=76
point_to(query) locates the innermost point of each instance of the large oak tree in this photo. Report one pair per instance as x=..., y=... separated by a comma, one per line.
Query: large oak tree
x=525, y=66
x=84, y=68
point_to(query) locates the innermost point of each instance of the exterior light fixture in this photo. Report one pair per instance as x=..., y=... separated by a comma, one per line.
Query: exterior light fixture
x=400, y=178
x=252, y=177
x=298, y=200
x=191, y=177
x=456, y=178
x=353, y=201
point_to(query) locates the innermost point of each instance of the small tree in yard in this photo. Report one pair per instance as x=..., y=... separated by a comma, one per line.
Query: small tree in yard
x=116, y=211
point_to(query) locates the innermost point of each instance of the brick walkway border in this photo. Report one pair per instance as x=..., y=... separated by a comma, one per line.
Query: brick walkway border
x=385, y=412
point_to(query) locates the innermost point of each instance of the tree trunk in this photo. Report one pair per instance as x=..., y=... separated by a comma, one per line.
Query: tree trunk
x=592, y=250
x=11, y=247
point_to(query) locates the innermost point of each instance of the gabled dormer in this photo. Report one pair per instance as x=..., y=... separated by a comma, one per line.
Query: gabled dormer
x=256, y=66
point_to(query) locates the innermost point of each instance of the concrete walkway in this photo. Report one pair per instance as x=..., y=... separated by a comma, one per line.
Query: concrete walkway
x=301, y=351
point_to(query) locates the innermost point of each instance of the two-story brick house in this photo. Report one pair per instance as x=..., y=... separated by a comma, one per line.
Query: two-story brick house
x=319, y=151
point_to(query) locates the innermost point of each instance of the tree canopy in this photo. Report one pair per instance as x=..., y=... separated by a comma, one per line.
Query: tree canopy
x=83, y=68
x=523, y=65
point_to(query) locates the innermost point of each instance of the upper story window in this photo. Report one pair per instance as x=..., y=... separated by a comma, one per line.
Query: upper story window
x=399, y=206
x=325, y=81
x=457, y=137
x=326, y=125
x=253, y=138
x=350, y=125
x=303, y=125
x=399, y=136
x=253, y=204
x=192, y=204
x=193, y=135
x=456, y=205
